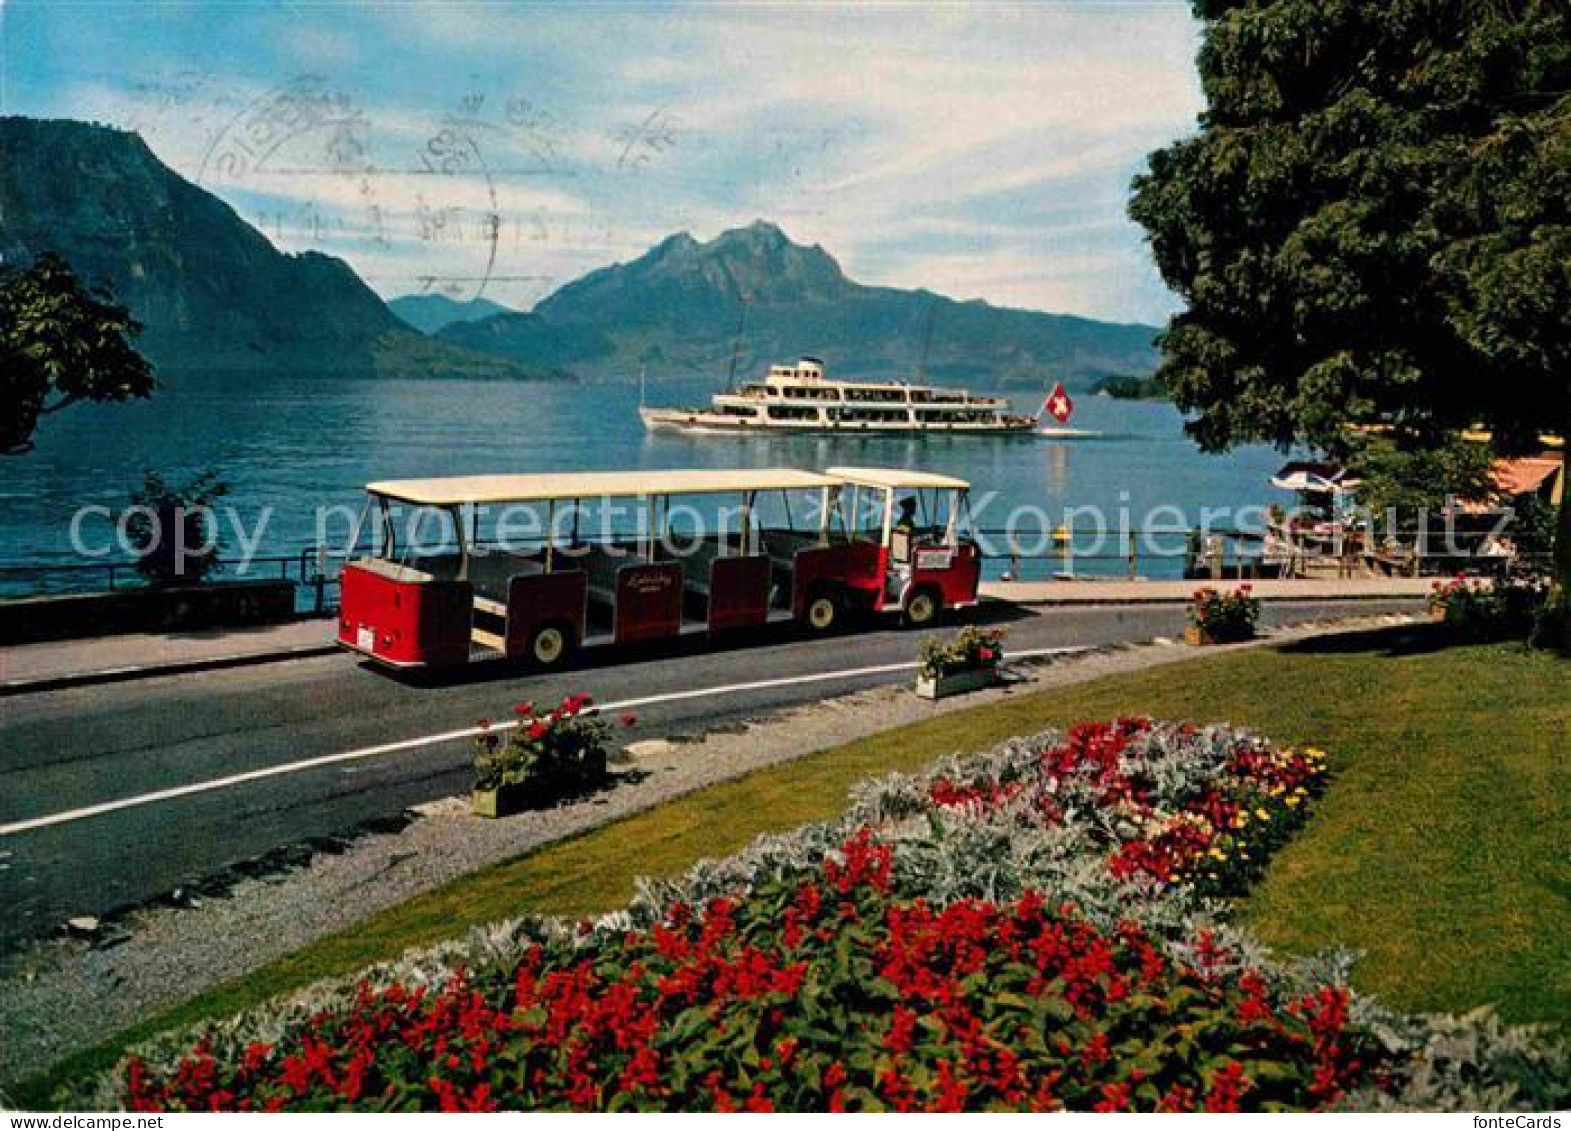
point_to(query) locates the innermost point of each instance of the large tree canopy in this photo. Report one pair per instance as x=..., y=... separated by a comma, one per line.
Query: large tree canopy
x=1371, y=224
x=61, y=343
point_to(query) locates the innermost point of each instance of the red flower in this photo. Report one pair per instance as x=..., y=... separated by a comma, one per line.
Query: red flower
x=901, y=1029
x=1226, y=1088
x=866, y=862
x=629, y=719
x=1115, y=1097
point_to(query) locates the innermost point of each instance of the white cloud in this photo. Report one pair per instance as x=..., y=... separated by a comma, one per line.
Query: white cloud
x=1039, y=278
x=975, y=149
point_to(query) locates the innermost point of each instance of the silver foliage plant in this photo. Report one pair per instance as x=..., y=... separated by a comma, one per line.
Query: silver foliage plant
x=994, y=852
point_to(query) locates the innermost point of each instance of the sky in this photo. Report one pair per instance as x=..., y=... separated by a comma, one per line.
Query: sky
x=497, y=149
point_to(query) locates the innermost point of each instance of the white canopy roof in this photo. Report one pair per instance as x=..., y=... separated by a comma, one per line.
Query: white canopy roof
x=455, y=490
x=896, y=478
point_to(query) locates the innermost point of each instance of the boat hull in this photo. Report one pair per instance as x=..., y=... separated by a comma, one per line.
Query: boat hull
x=703, y=421
x=1068, y=433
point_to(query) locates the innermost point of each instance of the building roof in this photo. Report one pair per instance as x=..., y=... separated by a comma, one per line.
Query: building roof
x=1516, y=477
x=455, y=490
x=895, y=478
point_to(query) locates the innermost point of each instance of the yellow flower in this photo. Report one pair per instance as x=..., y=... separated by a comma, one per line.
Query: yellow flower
x=1262, y=814
x=1292, y=802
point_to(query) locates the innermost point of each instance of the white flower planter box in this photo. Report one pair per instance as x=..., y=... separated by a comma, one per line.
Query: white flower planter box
x=957, y=683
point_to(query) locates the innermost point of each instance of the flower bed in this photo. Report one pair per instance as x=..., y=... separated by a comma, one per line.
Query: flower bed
x=1219, y=618
x=1474, y=609
x=1033, y=928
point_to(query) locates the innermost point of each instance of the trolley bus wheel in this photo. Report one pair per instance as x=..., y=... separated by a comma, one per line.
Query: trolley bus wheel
x=550, y=645
x=823, y=611
x=922, y=609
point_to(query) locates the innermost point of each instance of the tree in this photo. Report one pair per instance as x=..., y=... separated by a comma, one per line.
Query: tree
x=60, y=343
x=1423, y=481
x=174, y=528
x=1371, y=226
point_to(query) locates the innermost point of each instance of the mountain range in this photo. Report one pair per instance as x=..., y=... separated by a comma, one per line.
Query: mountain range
x=213, y=294
x=681, y=309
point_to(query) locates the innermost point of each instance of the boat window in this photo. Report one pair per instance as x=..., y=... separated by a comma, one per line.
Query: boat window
x=792, y=412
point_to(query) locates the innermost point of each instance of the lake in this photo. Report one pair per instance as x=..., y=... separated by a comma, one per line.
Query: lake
x=294, y=445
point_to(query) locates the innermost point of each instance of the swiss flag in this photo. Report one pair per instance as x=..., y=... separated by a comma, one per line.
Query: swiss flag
x=1058, y=405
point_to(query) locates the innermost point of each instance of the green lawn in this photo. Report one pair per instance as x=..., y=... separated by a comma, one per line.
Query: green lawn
x=1442, y=850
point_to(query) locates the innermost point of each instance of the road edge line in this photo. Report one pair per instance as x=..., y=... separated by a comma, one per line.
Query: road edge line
x=172, y=793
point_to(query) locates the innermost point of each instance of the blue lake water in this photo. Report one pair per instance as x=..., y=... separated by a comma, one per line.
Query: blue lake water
x=295, y=445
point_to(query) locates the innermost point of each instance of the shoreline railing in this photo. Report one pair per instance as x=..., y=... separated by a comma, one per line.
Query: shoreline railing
x=1008, y=555
x=308, y=568
x=1214, y=554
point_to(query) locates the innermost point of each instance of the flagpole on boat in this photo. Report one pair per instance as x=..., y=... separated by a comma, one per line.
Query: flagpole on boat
x=736, y=346
x=927, y=343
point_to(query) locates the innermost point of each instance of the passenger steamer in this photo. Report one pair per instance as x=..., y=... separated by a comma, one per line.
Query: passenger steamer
x=800, y=398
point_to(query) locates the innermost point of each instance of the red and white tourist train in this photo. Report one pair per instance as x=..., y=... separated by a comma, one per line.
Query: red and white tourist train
x=532, y=567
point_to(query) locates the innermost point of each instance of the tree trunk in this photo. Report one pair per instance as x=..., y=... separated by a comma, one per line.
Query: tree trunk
x=1562, y=560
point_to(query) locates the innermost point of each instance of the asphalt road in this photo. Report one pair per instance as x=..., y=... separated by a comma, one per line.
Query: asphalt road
x=64, y=750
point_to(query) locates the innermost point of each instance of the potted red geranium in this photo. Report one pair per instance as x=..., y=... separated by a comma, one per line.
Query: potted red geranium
x=1216, y=617
x=542, y=759
x=967, y=662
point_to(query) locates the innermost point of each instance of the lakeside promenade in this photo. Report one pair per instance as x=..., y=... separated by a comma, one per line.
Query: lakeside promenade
x=54, y=665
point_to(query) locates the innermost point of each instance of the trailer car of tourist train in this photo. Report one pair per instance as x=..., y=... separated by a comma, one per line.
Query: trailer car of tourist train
x=619, y=558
